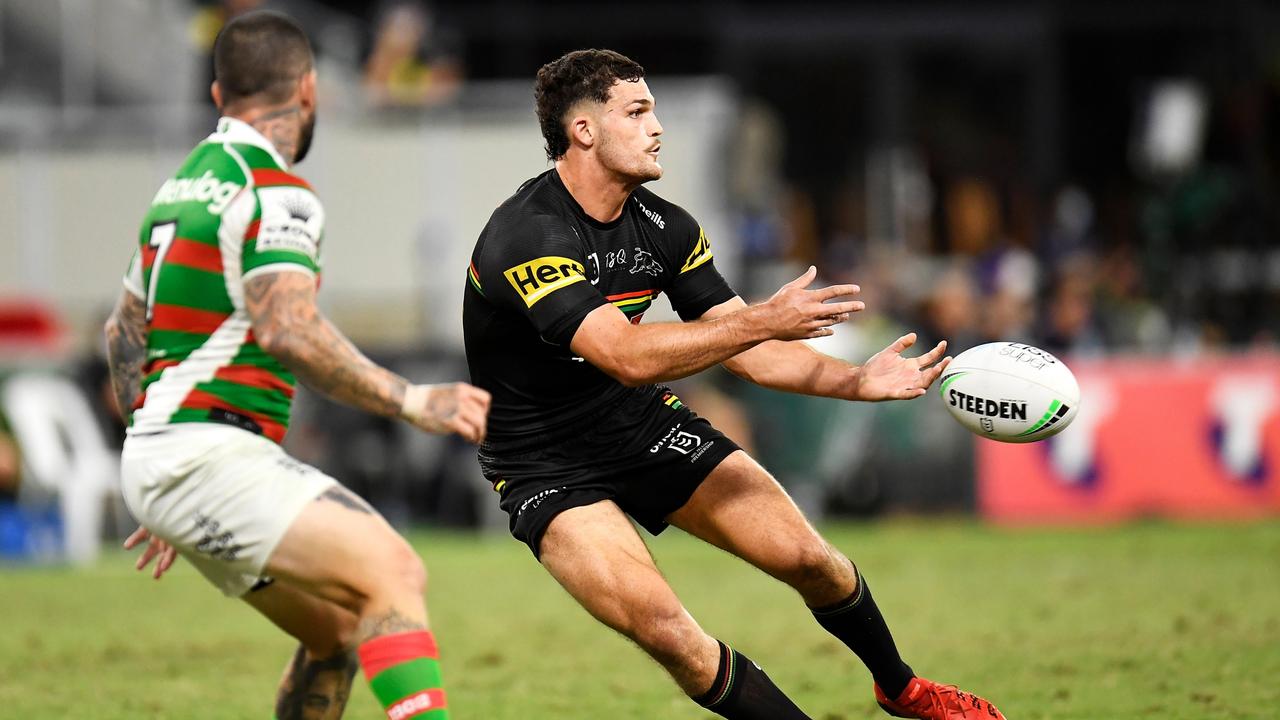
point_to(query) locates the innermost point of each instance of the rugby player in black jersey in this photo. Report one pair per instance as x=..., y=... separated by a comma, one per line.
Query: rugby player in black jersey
x=582, y=434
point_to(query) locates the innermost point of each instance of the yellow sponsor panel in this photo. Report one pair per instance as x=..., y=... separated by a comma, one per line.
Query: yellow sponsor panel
x=539, y=278
x=701, y=252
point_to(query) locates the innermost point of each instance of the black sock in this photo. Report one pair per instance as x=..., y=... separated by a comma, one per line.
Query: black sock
x=742, y=691
x=857, y=622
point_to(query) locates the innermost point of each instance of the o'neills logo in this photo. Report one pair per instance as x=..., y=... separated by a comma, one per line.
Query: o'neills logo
x=539, y=278
x=412, y=705
x=205, y=188
x=990, y=408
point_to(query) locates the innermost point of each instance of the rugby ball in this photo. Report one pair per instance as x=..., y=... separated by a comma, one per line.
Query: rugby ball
x=1011, y=392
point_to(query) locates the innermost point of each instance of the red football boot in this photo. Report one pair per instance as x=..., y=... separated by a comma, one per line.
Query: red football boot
x=930, y=701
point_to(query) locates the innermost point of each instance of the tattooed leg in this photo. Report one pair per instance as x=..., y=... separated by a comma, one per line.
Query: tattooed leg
x=387, y=623
x=315, y=689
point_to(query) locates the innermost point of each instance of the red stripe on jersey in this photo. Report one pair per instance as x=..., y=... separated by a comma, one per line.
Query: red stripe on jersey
x=194, y=254
x=201, y=400
x=185, y=319
x=252, y=232
x=624, y=296
x=149, y=256
x=158, y=365
x=278, y=177
x=254, y=377
x=138, y=401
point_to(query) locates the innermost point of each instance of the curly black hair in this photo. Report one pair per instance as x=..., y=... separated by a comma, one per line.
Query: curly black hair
x=576, y=76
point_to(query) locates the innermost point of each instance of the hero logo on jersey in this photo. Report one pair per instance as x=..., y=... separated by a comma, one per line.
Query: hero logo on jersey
x=292, y=221
x=539, y=278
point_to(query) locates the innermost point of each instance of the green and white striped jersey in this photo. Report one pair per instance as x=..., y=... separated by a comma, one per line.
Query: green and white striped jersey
x=230, y=213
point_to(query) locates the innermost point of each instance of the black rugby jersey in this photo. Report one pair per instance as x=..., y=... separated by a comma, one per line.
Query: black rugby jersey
x=541, y=265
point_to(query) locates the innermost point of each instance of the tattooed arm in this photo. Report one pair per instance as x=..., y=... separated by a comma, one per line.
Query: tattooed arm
x=289, y=326
x=126, y=331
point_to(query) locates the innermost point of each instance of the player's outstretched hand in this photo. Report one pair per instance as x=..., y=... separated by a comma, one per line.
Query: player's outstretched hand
x=890, y=376
x=156, y=548
x=448, y=408
x=797, y=313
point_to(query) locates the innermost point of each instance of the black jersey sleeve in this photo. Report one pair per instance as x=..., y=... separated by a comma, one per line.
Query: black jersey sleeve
x=537, y=269
x=697, y=286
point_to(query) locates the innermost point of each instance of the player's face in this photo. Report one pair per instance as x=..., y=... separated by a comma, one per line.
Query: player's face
x=629, y=132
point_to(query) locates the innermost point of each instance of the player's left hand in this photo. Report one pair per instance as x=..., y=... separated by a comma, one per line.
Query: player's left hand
x=156, y=548
x=890, y=376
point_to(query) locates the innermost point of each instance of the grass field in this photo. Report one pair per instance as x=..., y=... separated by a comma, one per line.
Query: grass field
x=1150, y=620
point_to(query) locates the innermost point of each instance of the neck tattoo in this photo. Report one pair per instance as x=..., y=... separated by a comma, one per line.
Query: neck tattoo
x=282, y=127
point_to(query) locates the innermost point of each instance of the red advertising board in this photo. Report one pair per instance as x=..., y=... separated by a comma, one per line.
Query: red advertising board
x=1194, y=439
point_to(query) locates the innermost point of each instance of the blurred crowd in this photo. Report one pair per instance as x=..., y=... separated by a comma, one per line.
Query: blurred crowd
x=1183, y=259
x=402, y=57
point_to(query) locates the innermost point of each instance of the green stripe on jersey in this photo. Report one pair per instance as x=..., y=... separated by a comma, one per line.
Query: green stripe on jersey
x=189, y=287
x=172, y=344
x=263, y=401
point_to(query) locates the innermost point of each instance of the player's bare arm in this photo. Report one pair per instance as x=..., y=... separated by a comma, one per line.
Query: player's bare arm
x=288, y=325
x=798, y=368
x=126, y=332
x=643, y=354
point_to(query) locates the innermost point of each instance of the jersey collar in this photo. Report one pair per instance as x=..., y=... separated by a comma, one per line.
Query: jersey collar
x=558, y=184
x=231, y=130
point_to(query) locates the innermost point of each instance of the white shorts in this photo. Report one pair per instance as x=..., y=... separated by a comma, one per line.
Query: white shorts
x=223, y=497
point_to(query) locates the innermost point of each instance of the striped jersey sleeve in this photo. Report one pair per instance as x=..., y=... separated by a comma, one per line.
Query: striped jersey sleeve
x=287, y=231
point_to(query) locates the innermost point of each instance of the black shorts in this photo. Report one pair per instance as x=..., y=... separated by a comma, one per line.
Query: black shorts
x=648, y=454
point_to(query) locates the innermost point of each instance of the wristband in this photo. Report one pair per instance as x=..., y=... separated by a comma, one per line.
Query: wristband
x=415, y=401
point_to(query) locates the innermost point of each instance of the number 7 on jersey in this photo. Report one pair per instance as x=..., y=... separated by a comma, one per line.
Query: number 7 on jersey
x=162, y=236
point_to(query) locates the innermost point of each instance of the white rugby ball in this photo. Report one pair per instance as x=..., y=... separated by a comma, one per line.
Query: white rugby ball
x=1011, y=392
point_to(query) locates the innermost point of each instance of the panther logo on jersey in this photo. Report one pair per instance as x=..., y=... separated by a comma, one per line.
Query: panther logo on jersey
x=644, y=262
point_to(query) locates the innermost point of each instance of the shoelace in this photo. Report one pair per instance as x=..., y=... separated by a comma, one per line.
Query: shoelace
x=943, y=707
x=958, y=696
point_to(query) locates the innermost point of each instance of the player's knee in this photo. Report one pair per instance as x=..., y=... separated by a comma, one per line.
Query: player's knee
x=811, y=563
x=395, y=573
x=669, y=635
x=409, y=572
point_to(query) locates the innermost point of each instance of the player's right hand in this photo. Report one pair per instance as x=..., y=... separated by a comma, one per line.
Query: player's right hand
x=797, y=313
x=156, y=547
x=448, y=408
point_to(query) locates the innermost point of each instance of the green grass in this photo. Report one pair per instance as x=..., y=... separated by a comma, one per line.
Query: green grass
x=1153, y=620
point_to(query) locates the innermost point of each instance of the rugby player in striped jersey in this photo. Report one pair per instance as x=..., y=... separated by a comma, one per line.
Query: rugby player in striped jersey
x=217, y=319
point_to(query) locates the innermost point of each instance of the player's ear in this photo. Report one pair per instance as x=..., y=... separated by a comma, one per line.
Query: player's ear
x=582, y=130
x=215, y=92
x=307, y=90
